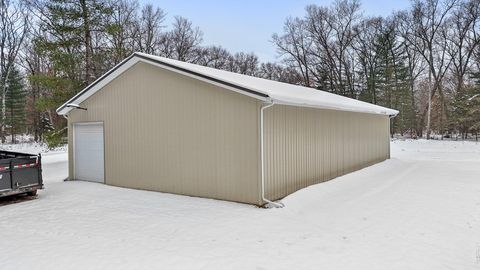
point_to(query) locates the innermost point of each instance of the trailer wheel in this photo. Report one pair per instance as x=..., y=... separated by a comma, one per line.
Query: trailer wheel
x=32, y=193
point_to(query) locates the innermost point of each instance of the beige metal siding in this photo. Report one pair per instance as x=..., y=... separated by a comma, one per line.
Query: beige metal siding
x=168, y=132
x=305, y=146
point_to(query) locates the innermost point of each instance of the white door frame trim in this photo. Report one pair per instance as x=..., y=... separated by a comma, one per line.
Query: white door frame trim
x=87, y=123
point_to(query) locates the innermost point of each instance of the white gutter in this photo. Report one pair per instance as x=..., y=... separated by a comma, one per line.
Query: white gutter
x=262, y=156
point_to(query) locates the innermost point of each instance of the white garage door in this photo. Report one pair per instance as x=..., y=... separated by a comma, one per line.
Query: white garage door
x=88, y=152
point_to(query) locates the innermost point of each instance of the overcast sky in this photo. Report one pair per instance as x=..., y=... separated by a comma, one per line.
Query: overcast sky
x=247, y=25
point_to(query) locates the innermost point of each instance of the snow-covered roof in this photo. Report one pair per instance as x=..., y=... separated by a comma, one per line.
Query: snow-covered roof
x=268, y=90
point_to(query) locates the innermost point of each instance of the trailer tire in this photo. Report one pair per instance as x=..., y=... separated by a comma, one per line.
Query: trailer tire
x=32, y=193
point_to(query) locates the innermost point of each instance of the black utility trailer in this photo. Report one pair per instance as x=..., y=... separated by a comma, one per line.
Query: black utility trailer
x=20, y=173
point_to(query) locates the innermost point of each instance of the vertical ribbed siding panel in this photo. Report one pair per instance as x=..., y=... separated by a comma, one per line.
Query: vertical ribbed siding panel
x=171, y=133
x=306, y=146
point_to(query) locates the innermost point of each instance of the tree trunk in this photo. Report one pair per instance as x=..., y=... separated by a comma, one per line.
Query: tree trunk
x=87, y=42
x=429, y=109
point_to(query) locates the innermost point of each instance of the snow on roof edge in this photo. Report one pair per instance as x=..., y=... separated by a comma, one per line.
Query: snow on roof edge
x=284, y=93
x=295, y=93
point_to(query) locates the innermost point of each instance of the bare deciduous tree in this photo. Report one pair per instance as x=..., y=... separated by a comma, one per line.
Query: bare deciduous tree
x=294, y=45
x=415, y=64
x=149, y=29
x=244, y=63
x=14, y=27
x=214, y=56
x=276, y=72
x=429, y=23
x=463, y=39
x=122, y=29
x=182, y=41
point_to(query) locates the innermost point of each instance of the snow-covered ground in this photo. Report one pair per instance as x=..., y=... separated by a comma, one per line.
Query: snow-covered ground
x=419, y=210
x=34, y=148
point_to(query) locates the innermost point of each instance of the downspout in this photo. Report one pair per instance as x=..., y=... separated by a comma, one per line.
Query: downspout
x=262, y=156
x=390, y=117
x=68, y=177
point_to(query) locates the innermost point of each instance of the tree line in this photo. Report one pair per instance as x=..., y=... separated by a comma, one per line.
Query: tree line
x=423, y=61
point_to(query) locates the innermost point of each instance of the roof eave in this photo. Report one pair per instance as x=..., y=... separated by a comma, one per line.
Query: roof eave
x=255, y=93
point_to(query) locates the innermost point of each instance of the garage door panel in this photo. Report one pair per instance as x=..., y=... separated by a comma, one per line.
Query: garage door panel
x=88, y=152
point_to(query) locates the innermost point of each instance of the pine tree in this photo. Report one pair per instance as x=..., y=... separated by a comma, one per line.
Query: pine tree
x=15, y=102
x=46, y=124
x=73, y=37
x=474, y=114
x=465, y=109
x=391, y=79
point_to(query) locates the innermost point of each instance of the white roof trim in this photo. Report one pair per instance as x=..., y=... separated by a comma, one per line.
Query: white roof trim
x=98, y=84
x=203, y=79
x=262, y=89
x=124, y=66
